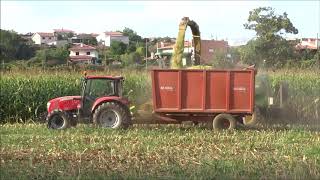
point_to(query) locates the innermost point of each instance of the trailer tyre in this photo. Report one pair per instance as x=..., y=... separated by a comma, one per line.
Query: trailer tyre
x=58, y=120
x=254, y=119
x=111, y=115
x=224, y=121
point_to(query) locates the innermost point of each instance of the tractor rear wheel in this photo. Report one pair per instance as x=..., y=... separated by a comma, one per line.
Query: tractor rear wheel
x=224, y=122
x=111, y=115
x=58, y=120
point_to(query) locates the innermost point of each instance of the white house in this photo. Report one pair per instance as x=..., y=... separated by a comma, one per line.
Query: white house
x=43, y=38
x=107, y=37
x=82, y=53
x=166, y=50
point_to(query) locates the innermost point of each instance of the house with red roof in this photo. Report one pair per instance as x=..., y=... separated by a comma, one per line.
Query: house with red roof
x=106, y=38
x=308, y=43
x=41, y=38
x=84, y=54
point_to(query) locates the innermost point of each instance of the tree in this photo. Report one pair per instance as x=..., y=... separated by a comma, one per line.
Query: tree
x=269, y=45
x=117, y=48
x=134, y=39
x=129, y=59
x=70, y=35
x=59, y=37
x=133, y=36
x=220, y=60
x=91, y=41
x=266, y=23
x=51, y=56
x=13, y=46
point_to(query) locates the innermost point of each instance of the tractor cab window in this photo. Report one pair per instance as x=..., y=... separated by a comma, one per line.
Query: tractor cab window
x=100, y=87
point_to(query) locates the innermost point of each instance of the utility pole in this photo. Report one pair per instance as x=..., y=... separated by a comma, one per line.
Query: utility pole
x=105, y=55
x=146, y=53
x=317, y=44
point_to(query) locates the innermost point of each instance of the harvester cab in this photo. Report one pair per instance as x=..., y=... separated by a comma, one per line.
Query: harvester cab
x=101, y=102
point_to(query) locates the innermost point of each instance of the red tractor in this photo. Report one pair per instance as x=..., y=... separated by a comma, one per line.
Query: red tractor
x=101, y=103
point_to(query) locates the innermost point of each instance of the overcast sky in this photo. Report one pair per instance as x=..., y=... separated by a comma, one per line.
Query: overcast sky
x=216, y=19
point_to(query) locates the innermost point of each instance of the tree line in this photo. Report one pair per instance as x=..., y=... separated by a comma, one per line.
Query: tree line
x=268, y=49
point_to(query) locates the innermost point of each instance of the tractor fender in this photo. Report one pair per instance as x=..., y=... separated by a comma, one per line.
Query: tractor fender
x=122, y=101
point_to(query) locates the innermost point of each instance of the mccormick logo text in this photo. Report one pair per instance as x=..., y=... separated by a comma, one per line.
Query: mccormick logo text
x=167, y=88
x=240, y=89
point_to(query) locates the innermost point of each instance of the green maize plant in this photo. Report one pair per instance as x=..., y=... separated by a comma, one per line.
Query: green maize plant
x=25, y=96
x=304, y=94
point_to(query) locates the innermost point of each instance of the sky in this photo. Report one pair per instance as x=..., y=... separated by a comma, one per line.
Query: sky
x=216, y=19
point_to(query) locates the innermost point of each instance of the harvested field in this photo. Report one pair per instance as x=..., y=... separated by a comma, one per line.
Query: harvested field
x=31, y=151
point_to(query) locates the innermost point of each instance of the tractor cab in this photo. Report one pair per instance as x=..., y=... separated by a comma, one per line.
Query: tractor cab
x=101, y=102
x=95, y=87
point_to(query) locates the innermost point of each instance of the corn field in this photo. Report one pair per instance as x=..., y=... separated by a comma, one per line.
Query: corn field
x=24, y=94
x=304, y=95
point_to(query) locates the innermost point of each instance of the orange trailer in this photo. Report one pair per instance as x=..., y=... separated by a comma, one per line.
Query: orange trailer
x=222, y=97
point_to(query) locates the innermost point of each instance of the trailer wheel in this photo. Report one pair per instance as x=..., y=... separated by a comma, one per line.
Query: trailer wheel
x=58, y=120
x=224, y=121
x=111, y=115
x=251, y=120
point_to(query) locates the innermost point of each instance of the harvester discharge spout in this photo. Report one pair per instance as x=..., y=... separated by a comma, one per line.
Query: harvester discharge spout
x=176, y=61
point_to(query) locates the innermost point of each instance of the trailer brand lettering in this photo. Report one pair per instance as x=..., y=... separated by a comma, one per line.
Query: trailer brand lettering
x=240, y=89
x=167, y=88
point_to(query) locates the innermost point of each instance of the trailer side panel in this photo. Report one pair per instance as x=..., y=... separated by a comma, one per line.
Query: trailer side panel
x=203, y=91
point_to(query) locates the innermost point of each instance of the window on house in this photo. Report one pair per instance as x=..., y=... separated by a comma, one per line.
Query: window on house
x=88, y=53
x=43, y=37
x=211, y=50
x=77, y=53
x=49, y=37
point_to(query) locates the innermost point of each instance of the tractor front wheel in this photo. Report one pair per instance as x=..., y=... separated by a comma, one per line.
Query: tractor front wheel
x=111, y=115
x=224, y=122
x=58, y=120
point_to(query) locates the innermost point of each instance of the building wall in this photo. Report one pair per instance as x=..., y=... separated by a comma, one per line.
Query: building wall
x=101, y=37
x=108, y=39
x=210, y=47
x=60, y=43
x=93, y=53
x=37, y=39
x=310, y=41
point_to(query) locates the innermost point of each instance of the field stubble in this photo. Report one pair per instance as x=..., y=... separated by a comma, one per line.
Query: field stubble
x=174, y=151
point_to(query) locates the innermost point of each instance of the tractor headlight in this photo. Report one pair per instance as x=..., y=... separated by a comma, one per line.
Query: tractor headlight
x=48, y=105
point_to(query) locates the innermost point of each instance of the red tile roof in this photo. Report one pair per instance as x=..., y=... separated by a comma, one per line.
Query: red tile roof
x=113, y=33
x=44, y=34
x=82, y=47
x=63, y=30
x=94, y=34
